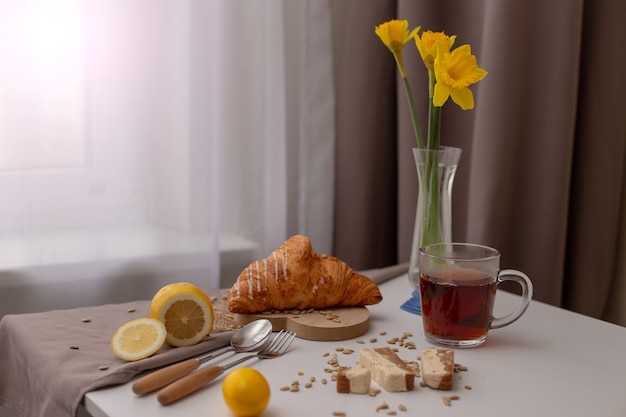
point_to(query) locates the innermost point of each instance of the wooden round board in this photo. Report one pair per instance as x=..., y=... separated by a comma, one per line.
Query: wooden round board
x=349, y=322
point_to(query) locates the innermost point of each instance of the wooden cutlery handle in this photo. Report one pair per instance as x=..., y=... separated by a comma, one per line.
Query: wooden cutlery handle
x=165, y=376
x=189, y=384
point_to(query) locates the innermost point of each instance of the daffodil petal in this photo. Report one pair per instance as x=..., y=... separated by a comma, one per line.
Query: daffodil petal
x=395, y=34
x=479, y=73
x=463, y=97
x=441, y=94
x=432, y=43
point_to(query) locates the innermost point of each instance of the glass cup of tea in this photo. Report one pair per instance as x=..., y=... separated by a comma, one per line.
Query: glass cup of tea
x=458, y=283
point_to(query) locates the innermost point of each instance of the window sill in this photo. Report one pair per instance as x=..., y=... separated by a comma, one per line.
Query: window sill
x=41, y=273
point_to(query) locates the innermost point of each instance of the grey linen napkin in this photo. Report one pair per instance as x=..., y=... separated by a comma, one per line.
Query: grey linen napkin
x=48, y=361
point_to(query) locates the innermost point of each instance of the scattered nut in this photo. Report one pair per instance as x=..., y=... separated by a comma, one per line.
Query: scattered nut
x=447, y=400
x=103, y=367
x=131, y=310
x=86, y=320
x=409, y=345
x=382, y=406
x=374, y=392
x=334, y=362
x=402, y=407
x=339, y=413
x=468, y=387
x=75, y=347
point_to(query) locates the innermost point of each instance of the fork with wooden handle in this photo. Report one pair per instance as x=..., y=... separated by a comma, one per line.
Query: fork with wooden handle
x=193, y=382
x=251, y=337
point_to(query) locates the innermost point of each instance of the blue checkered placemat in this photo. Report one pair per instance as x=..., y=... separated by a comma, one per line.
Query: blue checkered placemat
x=413, y=304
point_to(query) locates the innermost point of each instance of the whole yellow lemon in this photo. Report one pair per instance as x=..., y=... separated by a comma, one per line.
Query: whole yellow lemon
x=246, y=392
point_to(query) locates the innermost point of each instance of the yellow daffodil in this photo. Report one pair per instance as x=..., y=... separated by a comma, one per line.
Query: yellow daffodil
x=395, y=34
x=455, y=71
x=427, y=43
x=450, y=73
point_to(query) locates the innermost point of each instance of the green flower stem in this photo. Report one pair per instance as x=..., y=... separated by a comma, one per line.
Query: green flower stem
x=416, y=124
x=434, y=115
x=431, y=225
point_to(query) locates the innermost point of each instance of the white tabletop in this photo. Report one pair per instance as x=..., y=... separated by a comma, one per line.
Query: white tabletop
x=551, y=362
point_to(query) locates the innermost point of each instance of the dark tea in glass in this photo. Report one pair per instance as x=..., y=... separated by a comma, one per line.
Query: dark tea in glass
x=458, y=283
x=458, y=306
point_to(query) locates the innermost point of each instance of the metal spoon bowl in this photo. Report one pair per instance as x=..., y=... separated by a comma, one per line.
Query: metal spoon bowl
x=250, y=337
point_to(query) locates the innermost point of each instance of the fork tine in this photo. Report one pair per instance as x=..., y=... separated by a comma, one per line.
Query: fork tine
x=275, y=341
x=280, y=343
x=278, y=340
x=286, y=343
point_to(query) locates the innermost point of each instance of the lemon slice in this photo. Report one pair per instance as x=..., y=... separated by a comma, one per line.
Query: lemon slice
x=186, y=311
x=138, y=339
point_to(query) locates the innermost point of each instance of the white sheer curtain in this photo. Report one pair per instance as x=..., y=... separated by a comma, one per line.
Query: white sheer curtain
x=148, y=141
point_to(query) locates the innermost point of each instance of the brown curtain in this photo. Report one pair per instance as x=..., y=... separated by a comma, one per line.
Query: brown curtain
x=541, y=177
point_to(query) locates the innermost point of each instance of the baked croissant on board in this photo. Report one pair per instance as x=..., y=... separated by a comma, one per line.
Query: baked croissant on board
x=295, y=277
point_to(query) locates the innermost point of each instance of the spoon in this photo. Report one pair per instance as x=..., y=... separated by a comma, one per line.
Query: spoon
x=251, y=337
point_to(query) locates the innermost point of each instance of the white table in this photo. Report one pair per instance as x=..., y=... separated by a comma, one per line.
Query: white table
x=551, y=362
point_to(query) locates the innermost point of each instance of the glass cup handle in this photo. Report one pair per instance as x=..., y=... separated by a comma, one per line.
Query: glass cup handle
x=527, y=295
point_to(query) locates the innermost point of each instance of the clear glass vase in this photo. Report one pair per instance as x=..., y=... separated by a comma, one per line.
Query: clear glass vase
x=433, y=216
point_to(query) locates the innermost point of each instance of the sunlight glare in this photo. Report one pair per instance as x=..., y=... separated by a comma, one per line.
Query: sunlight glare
x=42, y=78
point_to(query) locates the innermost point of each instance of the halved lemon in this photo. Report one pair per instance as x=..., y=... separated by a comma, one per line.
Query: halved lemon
x=138, y=339
x=185, y=310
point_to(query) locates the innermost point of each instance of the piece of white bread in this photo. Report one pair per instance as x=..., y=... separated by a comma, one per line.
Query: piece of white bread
x=354, y=380
x=387, y=369
x=438, y=368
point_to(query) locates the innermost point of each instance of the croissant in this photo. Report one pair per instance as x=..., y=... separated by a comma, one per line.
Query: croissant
x=295, y=276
